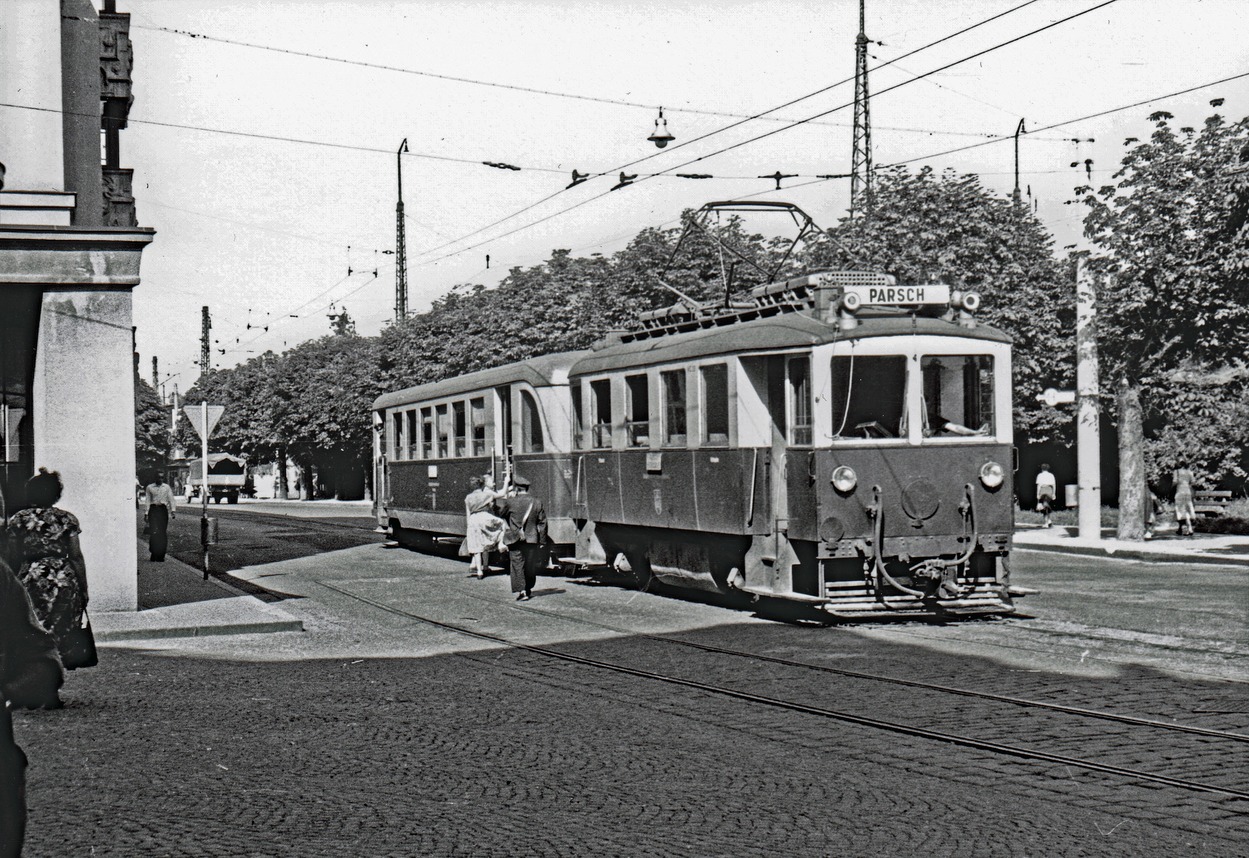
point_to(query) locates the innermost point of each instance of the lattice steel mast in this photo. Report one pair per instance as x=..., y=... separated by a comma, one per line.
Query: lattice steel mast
x=861, y=158
x=401, y=244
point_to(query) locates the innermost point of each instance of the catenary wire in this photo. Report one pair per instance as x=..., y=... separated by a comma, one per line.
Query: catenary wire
x=739, y=144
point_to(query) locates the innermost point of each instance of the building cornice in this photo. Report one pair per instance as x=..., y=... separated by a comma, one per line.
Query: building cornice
x=66, y=256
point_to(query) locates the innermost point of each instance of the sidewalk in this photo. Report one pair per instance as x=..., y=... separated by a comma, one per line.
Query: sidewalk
x=1165, y=547
x=176, y=601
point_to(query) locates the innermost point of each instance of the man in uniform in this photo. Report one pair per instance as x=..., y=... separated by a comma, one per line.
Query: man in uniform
x=524, y=533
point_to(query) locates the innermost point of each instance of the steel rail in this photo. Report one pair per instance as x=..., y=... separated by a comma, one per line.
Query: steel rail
x=914, y=683
x=879, y=724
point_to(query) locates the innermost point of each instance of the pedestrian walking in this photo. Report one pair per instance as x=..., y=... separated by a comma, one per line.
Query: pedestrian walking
x=525, y=536
x=484, y=529
x=1184, y=512
x=44, y=539
x=1046, y=493
x=30, y=676
x=161, y=506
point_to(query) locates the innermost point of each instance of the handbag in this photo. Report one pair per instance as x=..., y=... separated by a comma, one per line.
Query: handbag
x=78, y=647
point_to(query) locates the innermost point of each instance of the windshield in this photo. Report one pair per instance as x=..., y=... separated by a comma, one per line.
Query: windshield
x=957, y=395
x=869, y=396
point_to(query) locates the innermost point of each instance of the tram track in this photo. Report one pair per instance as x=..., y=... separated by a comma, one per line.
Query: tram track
x=820, y=711
x=912, y=683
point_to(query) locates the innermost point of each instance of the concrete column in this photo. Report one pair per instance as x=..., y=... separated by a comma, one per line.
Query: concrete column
x=1088, y=407
x=30, y=140
x=83, y=415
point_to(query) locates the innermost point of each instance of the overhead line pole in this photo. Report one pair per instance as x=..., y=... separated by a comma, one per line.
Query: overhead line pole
x=401, y=244
x=861, y=157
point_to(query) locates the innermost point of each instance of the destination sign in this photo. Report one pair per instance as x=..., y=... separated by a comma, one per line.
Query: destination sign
x=931, y=293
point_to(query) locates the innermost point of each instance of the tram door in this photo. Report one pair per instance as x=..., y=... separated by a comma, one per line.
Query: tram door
x=782, y=387
x=503, y=433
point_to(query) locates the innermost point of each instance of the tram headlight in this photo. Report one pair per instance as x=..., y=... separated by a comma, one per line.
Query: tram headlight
x=992, y=475
x=971, y=301
x=844, y=478
x=851, y=301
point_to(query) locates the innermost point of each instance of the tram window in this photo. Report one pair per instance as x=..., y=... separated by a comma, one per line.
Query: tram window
x=444, y=431
x=477, y=411
x=799, y=371
x=530, y=424
x=578, y=416
x=958, y=395
x=410, y=443
x=673, y=385
x=460, y=420
x=396, y=434
x=600, y=393
x=638, y=416
x=868, y=396
x=427, y=433
x=715, y=404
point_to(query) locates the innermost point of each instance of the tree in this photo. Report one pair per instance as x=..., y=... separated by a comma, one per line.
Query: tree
x=1172, y=259
x=947, y=227
x=151, y=427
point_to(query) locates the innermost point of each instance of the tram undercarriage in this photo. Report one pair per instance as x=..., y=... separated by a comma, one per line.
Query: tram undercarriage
x=843, y=579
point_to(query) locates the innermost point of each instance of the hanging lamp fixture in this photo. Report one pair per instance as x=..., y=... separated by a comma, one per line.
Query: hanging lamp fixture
x=660, y=136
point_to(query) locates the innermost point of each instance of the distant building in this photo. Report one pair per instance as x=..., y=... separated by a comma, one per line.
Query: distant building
x=70, y=249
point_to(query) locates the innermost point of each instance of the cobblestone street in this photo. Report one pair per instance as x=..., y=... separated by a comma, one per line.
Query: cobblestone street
x=376, y=734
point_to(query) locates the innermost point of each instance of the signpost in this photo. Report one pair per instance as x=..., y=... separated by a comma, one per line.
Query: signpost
x=208, y=416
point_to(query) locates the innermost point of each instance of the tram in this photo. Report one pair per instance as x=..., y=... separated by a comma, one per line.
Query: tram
x=837, y=439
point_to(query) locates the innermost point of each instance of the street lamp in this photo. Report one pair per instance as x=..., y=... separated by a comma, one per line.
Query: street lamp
x=660, y=136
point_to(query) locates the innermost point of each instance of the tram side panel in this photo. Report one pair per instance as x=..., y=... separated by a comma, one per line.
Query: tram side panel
x=686, y=514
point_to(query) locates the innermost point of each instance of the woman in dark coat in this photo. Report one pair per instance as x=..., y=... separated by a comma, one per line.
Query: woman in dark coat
x=43, y=539
x=30, y=675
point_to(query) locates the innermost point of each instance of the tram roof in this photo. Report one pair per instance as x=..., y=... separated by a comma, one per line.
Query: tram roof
x=542, y=371
x=786, y=331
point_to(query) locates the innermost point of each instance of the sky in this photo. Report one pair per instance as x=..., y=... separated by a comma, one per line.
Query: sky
x=268, y=174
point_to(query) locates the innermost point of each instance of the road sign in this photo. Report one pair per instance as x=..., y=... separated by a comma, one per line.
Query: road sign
x=1052, y=397
x=195, y=416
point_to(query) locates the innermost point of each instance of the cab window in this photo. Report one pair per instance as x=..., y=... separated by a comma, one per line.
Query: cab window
x=958, y=395
x=868, y=396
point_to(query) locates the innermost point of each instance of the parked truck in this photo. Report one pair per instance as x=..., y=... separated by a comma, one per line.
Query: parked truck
x=226, y=477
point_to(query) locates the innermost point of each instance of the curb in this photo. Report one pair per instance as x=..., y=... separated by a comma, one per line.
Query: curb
x=1133, y=554
x=106, y=635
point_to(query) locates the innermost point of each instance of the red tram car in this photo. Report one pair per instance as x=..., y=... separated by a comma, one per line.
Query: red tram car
x=836, y=440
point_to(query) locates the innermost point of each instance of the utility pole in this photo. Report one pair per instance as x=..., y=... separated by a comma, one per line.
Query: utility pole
x=1019, y=129
x=861, y=157
x=1088, y=407
x=401, y=244
x=205, y=348
x=155, y=376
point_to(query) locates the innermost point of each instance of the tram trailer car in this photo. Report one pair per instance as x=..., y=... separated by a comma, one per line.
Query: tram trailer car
x=837, y=440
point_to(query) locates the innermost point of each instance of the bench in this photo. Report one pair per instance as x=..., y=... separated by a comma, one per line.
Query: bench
x=1211, y=503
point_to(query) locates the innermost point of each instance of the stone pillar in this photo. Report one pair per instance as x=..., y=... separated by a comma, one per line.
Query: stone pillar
x=83, y=406
x=80, y=74
x=30, y=140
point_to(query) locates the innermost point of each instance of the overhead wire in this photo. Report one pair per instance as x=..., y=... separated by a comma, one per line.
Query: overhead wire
x=728, y=127
x=748, y=141
x=509, y=86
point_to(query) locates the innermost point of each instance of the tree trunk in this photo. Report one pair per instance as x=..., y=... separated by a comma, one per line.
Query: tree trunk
x=1132, y=494
x=283, y=488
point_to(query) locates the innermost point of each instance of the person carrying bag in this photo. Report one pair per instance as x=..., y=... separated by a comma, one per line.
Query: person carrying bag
x=525, y=536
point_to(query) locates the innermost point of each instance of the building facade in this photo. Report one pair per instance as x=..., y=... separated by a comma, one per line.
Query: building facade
x=70, y=250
